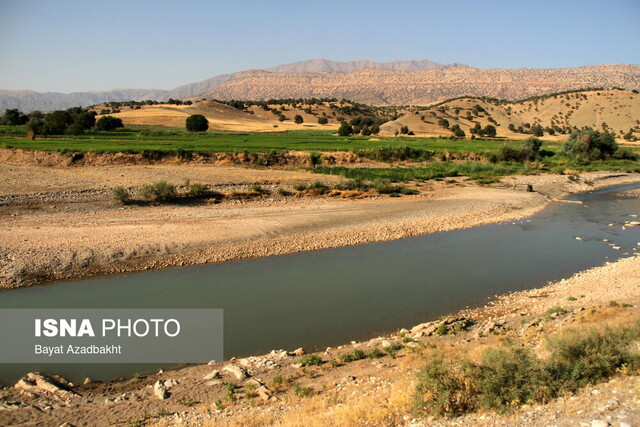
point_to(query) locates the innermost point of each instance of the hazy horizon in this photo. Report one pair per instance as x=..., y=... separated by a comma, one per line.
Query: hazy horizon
x=75, y=47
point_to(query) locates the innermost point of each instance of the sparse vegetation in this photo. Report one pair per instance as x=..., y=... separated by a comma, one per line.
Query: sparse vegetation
x=505, y=378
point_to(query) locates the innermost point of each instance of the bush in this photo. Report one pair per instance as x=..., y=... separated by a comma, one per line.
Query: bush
x=197, y=123
x=445, y=388
x=108, y=123
x=198, y=190
x=512, y=376
x=298, y=119
x=507, y=153
x=345, y=129
x=532, y=144
x=161, y=191
x=356, y=354
x=300, y=391
x=120, y=194
x=590, y=145
x=323, y=120
x=310, y=360
x=315, y=159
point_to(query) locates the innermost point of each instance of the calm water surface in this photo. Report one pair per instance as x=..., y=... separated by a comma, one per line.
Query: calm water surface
x=329, y=297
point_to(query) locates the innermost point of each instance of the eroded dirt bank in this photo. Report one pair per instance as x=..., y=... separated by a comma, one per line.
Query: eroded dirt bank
x=77, y=231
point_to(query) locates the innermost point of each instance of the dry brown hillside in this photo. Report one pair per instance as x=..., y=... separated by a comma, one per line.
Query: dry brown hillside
x=616, y=111
x=253, y=119
x=390, y=87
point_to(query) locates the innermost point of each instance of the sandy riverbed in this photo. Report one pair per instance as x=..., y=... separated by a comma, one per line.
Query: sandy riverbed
x=74, y=230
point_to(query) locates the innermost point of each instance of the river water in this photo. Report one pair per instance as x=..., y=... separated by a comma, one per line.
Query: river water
x=329, y=297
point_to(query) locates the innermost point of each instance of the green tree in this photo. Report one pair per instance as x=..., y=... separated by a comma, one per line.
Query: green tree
x=323, y=120
x=537, y=130
x=457, y=131
x=532, y=144
x=14, y=117
x=590, y=145
x=85, y=120
x=345, y=129
x=298, y=119
x=490, y=130
x=444, y=123
x=108, y=123
x=56, y=122
x=197, y=123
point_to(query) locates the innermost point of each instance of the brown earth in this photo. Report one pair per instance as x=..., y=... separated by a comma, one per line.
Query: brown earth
x=616, y=111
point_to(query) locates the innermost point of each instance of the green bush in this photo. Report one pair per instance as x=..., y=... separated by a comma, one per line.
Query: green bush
x=507, y=377
x=161, y=191
x=120, y=194
x=300, y=391
x=590, y=145
x=196, y=123
x=198, y=190
x=311, y=360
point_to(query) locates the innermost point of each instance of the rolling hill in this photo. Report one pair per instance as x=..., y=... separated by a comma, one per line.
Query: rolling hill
x=616, y=111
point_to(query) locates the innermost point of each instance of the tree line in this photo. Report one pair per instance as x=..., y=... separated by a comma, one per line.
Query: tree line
x=72, y=121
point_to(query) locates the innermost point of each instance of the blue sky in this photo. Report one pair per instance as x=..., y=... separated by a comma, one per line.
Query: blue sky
x=70, y=46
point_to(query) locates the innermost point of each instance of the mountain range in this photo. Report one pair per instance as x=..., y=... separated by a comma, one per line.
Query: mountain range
x=389, y=83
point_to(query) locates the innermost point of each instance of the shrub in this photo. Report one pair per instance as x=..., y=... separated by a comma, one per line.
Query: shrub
x=161, y=191
x=315, y=159
x=356, y=354
x=197, y=123
x=345, y=129
x=323, y=120
x=311, y=360
x=198, y=190
x=300, y=391
x=298, y=119
x=445, y=388
x=512, y=376
x=283, y=192
x=375, y=354
x=300, y=186
x=590, y=145
x=532, y=144
x=108, y=123
x=120, y=194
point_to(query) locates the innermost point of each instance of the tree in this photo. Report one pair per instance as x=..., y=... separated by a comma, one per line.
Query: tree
x=590, y=145
x=444, y=123
x=404, y=130
x=14, y=117
x=532, y=144
x=345, y=129
x=457, y=131
x=108, y=123
x=85, y=120
x=490, y=130
x=56, y=122
x=323, y=120
x=197, y=123
x=298, y=119
x=537, y=130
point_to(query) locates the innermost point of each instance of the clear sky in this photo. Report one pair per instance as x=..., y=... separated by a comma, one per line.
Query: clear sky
x=68, y=46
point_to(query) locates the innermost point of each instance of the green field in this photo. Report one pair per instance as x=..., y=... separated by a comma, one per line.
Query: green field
x=139, y=140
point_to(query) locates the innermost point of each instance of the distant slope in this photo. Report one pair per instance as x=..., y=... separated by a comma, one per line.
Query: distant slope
x=326, y=66
x=617, y=110
x=392, y=87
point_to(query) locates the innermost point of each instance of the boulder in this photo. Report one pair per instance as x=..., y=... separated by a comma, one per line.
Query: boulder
x=34, y=382
x=235, y=370
x=160, y=391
